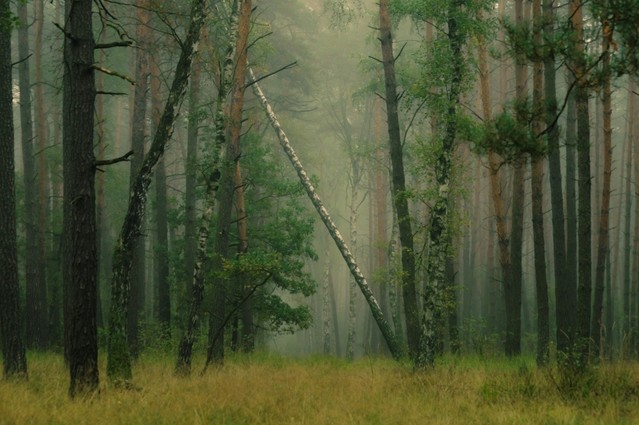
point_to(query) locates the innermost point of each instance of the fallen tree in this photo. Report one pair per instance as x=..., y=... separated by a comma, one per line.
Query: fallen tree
x=385, y=328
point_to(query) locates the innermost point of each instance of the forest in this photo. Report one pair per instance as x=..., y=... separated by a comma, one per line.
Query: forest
x=319, y=211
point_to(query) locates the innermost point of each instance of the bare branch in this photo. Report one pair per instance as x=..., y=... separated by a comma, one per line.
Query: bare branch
x=113, y=73
x=285, y=67
x=123, y=158
x=113, y=44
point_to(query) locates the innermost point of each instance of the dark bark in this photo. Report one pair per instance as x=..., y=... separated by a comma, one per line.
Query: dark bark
x=562, y=284
x=36, y=291
x=80, y=266
x=118, y=361
x=536, y=189
x=512, y=289
x=15, y=361
x=398, y=187
x=584, y=183
x=627, y=247
x=569, y=295
x=43, y=180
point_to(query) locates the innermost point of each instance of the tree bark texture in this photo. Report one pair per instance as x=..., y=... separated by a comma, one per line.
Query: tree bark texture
x=584, y=184
x=398, y=187
x=80, y=264
x=13, y=352
x=119, y=361
x=36, y=291
x=536, y=190
x=563, y=309
x=387, y=332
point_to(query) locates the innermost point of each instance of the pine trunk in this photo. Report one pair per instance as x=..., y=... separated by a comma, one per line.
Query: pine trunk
x=36, y=291
x=13, y=352
x=597, y=329
x=80, y=265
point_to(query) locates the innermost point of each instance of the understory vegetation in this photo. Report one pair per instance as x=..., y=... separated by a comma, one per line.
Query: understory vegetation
x=265, y=388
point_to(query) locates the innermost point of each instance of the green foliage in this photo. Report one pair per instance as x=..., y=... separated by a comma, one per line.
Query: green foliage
x=342, y=12
x=509, y=134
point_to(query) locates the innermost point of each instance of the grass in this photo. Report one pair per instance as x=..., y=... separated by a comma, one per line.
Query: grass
x=270, y=389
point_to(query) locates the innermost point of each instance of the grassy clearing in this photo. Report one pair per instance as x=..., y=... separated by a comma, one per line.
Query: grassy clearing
x=269, y=389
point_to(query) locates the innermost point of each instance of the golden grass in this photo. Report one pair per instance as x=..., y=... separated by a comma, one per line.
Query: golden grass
x=268, y=389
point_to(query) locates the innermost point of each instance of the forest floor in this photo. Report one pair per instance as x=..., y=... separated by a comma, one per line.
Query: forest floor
x=270, y=389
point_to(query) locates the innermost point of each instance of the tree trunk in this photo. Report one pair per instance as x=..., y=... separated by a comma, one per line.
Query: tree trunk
x=190, y=195
x=41, y=142
x=398, y=187
x=597, y=328
x=563, y=289
x=389, y=336
x=512, y=293
x=185, y=349
x=36, y=291
x=352, y=293
x=627, y=247
x=161, y=251
x=495, y=166
x=440, y=240
x=217, y=322
x=118, y=361
x=536, y=189
x=584, y=183
x=15, y=361
x=138, y=135
x=80, y=267
x=569, y=295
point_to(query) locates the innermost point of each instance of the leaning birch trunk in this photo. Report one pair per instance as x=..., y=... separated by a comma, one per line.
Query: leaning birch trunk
x=119, y=360
x=384, y=326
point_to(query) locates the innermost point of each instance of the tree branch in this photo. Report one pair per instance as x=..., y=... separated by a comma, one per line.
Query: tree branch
x=102, y=162
x=113, y=73
x=285, y=67
x=113, y=44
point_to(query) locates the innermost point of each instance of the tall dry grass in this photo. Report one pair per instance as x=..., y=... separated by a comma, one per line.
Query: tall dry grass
x=269, y=389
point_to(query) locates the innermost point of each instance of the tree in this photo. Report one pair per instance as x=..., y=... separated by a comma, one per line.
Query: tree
x=138, y=135
x=36, y=291
x=564, y=291
x=15, y=361
x=386, y=330
x=597, y=332
x=536, y=190
x=229, y=163
x=440, y=237
x=398, y=187
x=584, y=184
x=80, y=267
x=119, y=360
